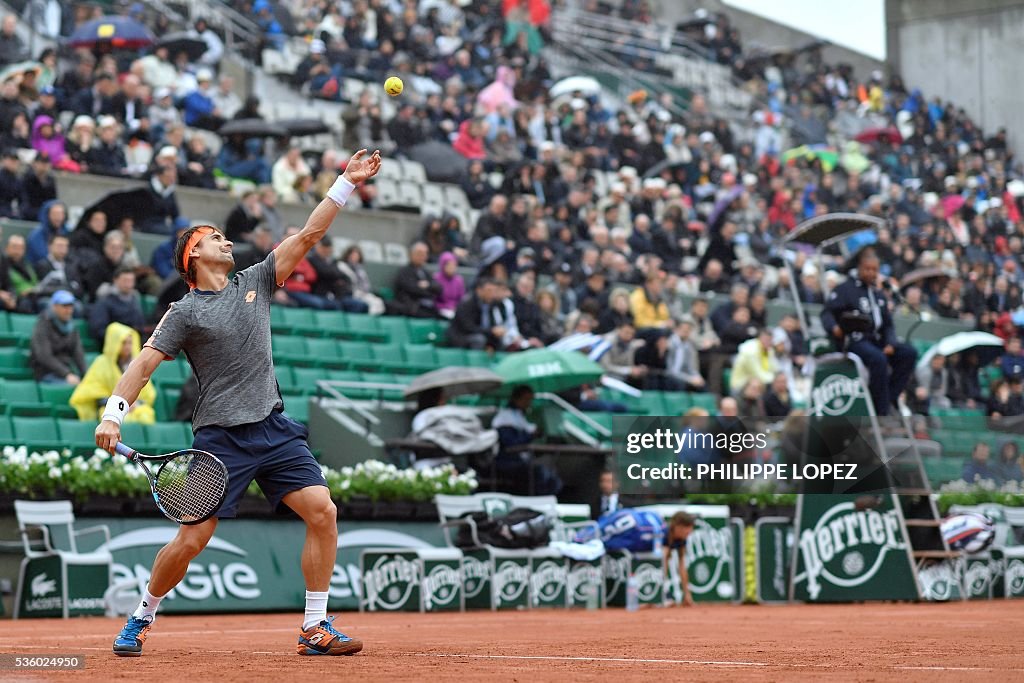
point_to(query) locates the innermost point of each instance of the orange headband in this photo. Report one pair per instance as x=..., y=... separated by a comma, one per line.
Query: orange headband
x=193, y=240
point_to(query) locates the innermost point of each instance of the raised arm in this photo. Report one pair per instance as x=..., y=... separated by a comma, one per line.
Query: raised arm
x=292, y=250
x=128, y=388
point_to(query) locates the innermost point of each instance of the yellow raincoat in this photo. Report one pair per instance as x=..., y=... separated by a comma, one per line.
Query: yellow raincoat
x=102, y=376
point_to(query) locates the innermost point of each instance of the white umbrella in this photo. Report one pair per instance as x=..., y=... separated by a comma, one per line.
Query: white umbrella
x=574, y=84
x=961, y=342
x=595, y=345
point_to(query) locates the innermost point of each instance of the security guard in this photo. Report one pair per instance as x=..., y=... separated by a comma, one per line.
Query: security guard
x=889, y=362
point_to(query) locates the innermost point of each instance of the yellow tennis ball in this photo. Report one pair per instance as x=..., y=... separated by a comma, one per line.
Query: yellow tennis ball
x=394, y=86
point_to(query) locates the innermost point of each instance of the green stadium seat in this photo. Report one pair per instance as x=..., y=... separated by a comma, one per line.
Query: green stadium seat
x=55, y=394
x=285, y=376
x=88, y=343
x=6, y=431
x=343, y=375
x=324, y=353
x=29, y=409
x=478, y=358
x=148, y=303
x=448, y=357
x=425, y=331
x=288, y=349
x=388, y=354
x=25, y=390
x=22, y=325
x=299, y=318
x=358, y=355
x=334, y=326
x=941, y=470
x=396, y=328
x=306, y=379
x=706, y=401
x=297, y=407
x=78, y=435
x=7, y=337
x=37, y=433
x=64, y=412
x=676, y=402
x=277, y=320
x=166, y=437
x=172, y=373
x=167, y=403
x=134, y=434
x=14, y=364
x=421, y=355
x=364, y=327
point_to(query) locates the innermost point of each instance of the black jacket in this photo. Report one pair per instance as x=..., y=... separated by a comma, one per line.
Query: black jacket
x=106, y=159
x=528, y=317
x=238, y=223
x=852, y=295
x=719, y=249
x=330, y=281
x=54, y=352
x=468, y=321
x=410, y=297
x=35, y=193
x=10, y=192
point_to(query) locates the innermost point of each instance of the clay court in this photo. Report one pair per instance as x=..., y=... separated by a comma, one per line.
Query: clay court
x=908, y=642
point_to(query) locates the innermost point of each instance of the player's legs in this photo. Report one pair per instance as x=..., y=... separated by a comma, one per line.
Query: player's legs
x=171, y=562
x=314, y=505
x=290, y=477
x=168, y=569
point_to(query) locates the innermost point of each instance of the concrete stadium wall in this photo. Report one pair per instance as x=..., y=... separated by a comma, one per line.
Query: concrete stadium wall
x=213, y=206
x=965, y=51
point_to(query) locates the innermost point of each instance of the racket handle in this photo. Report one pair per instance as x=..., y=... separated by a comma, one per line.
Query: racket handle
x=121, y=449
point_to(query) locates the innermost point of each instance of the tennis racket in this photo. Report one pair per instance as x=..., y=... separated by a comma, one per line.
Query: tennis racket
x=188, y=486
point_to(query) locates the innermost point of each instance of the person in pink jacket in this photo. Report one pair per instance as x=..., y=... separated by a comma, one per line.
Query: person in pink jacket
x=453, y=287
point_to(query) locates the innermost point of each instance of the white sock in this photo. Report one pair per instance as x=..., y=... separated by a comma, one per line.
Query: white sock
x=316, y=608
x=148, y=606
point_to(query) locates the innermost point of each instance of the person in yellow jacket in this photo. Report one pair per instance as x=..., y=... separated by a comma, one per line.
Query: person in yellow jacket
x=756, y=358
x=120, y=345
x=648, y=305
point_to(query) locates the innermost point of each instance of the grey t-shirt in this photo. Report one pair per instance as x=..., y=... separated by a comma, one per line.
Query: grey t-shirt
x=226, y=338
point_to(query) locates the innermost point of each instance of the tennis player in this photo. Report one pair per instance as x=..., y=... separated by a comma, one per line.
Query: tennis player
x=223, y=327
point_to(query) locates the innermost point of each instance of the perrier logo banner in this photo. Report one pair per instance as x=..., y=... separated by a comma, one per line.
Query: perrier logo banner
x=846, y=552
x=709, y=560
x=837, y=388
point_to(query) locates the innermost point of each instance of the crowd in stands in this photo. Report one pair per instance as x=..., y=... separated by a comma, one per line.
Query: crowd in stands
x=695, y=207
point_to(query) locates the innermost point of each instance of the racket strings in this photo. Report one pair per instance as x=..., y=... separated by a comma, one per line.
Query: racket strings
x=191, y=486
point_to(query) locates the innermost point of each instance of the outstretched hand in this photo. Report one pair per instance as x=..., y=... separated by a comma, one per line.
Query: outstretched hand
x=359, y=169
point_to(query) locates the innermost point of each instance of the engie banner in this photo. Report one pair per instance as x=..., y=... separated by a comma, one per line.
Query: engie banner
x=254, y=565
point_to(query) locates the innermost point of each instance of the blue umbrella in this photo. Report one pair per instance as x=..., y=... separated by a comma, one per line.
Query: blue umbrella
x=121, y=32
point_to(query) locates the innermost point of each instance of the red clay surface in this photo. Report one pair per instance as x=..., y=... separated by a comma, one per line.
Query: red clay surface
x=877, y=642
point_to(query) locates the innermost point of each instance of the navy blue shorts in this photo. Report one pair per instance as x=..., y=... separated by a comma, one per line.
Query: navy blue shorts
x=273, y=451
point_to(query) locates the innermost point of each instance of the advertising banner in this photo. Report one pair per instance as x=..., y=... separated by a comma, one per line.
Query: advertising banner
x=253, y=565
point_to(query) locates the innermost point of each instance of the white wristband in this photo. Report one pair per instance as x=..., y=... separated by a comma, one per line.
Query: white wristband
x=116, y=409
x=340, y=191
